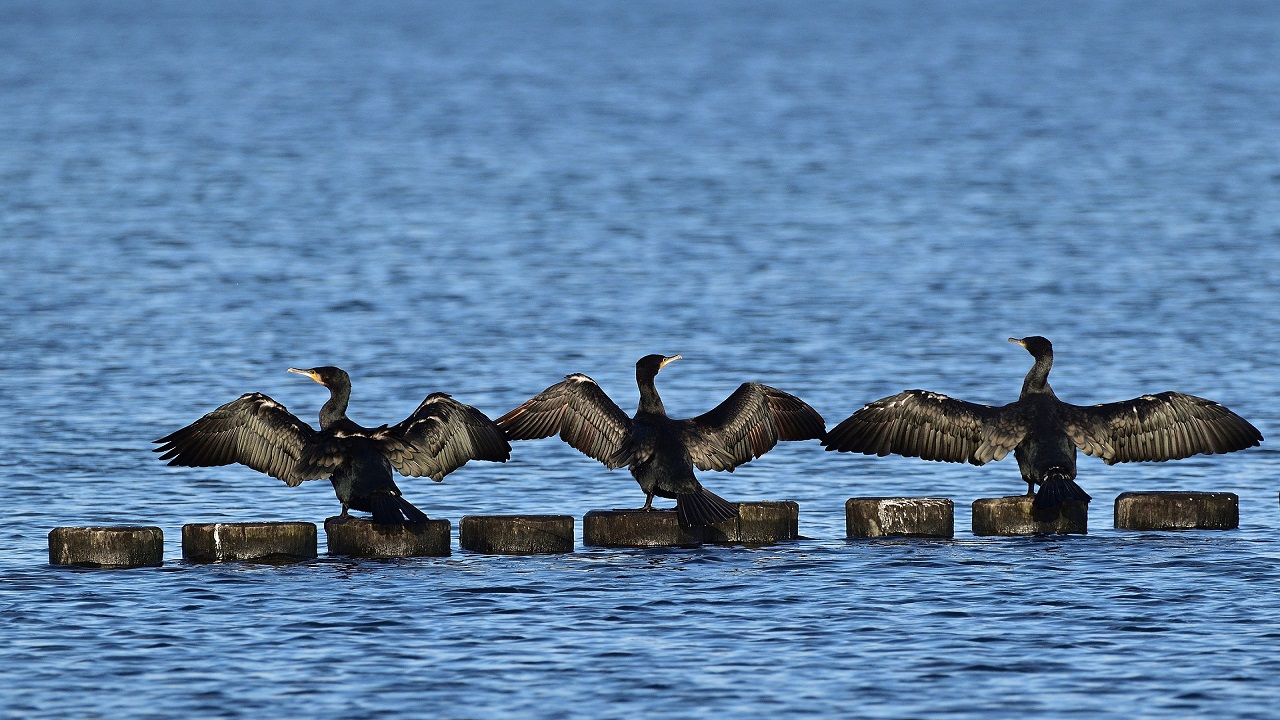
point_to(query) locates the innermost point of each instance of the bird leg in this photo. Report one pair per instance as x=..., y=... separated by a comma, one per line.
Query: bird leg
x=648, y=506
x=345, y=511
x=1031, y=487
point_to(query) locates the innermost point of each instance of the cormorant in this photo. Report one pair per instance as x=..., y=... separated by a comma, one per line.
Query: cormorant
x=254, y=430
x=1042, y=430
x=661, y=452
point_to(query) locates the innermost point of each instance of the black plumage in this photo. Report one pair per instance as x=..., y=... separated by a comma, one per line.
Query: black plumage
x=661, y=452
x=1042, y=431
x=254, y=430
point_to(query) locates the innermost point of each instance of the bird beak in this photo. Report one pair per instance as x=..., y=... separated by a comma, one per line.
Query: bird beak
x=666, y=360
x=1017, y=341
x=308, y=373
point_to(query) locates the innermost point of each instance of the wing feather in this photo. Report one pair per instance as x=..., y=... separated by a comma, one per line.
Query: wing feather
x=255, y=431
x=440, y=436
x=748, y=424
x=1155, y=428
x=581, y=413
x=923, y=424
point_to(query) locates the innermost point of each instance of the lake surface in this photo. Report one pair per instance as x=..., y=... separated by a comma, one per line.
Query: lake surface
x=842, y=200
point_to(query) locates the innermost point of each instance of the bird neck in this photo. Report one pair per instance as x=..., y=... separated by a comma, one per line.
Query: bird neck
x=335, y=410
x=649, y=400
x=1037, y=380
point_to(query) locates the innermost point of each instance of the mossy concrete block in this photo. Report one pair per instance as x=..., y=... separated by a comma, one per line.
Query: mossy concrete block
x=1013, y=516
x=637, y=529
x=124, y=546
x=358, y=537
x=758, y=523
x=870, y=517
x=516, y=534
x=1177, y=511
x=271, y=541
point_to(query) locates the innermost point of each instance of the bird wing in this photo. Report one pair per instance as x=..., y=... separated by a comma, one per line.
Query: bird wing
x=582, y=413
x=1168, y=426
x=747, y=425
x=923, y=424
x=256, y=431
x=440, y=437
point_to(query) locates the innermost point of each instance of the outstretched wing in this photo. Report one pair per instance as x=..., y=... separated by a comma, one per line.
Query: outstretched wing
x=583, y=415
x=923, y=424
x=440, y=437
x=747, y=425
x=256, y=431
x=1168, y=426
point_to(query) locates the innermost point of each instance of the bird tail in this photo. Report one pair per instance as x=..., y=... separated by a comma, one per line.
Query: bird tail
x=1057, y=488
x=394, y=510
x=703, y=507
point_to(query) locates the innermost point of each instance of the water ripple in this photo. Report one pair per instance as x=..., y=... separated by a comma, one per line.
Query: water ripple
x=839, y=199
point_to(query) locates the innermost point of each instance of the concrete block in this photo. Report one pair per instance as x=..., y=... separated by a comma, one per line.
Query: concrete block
x=1177, y=511
x=870, y=517
x=267, y=541
x=758, y=523
x=358, y=537
x=637, y=529
x=1012, y=516
x=516, y=534
x=124, y=546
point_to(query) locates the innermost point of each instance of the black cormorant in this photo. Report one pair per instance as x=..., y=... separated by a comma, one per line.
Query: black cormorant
x=254, y=430
x=1043, y=431
x=661, y=452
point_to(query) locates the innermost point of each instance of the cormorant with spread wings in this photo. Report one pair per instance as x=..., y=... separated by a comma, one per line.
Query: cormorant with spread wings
x=1042, y=431
x=661, y=452
x=254, y=430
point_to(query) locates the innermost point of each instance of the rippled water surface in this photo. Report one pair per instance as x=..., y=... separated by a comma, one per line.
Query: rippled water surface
x=839, y=199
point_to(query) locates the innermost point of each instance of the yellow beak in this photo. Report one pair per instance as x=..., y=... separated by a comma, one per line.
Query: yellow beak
x=308, y=373
x=667, y=360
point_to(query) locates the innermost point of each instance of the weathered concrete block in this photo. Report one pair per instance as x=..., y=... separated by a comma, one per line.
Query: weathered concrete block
x=758, y=523
x=1177, y=511
x=637, y=529
x=358, y=537
x=516, y=534
x=870, y=517
x=1012, y=516
x=124, y=546
x=271, y=541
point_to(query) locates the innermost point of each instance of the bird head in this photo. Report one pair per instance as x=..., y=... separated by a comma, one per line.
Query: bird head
x=1036, y=345
x=649, y=365
x=327, y=375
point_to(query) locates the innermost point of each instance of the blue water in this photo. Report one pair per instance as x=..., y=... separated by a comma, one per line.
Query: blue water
x=843, y=200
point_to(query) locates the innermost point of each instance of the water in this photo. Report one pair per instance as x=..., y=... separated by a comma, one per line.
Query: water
x=842, y=200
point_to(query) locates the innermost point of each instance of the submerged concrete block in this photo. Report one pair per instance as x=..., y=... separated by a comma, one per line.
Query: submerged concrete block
x=637, y=529
x=221, y=542
x=358, y=537
x=124, y=546
x=870, y=517
x=516, y=534
x=758, y=523
x=1177, y=511
x=1012, y=516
